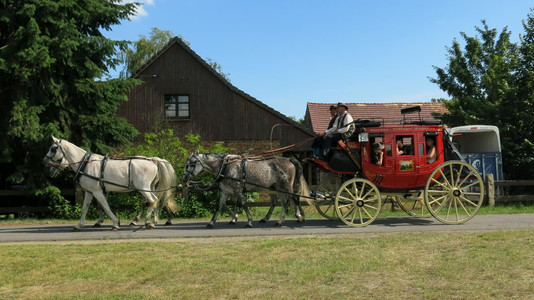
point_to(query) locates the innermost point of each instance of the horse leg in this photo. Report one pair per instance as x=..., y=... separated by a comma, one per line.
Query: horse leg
x=299, y=212
x=170, y=214
x=222, y=203
x=152, y=203
x=245, y=208
x=100, y=216
x=104, y=203
x=283, y=202
x=86, y=201
x=271, y=209
x=138, y=217
x=233, y=221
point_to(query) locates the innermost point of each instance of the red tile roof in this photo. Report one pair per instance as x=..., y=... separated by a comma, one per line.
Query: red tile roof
x=318, y=116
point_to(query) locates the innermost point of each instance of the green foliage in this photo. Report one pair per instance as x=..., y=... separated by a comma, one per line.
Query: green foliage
x=144, y=49
x=165, y=144
x=490, y=81
x=60, y=207
x=51, y=56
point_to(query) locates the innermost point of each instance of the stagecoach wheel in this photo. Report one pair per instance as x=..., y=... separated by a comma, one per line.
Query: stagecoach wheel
x=454, y=192
x=413, y=206
x=358, y=202
x=325, y=194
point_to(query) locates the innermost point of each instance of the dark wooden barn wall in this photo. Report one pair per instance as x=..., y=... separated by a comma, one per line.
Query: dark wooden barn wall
x=217, y=112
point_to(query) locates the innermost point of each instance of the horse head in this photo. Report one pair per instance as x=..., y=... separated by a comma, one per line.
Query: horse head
x=55, y=158
x=193, y=167
x=202, y=162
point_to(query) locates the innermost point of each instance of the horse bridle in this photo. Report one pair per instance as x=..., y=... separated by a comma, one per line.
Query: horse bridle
x=190, y=174
x=50, y=160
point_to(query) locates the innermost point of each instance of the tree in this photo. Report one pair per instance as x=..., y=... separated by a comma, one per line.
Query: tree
x=133, y=58
x=486, y=82
x=51, y=56
x=136, y=56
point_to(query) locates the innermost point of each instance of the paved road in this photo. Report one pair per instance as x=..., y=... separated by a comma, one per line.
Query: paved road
x=197, y=229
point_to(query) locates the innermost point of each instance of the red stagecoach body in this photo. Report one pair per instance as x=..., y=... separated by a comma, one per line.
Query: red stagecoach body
x=398, y=172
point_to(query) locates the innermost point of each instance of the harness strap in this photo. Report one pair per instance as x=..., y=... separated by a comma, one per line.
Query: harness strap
x=129, y=174
x=222, y=170
x=82, y=165
x=102, y=167
x=244, y=171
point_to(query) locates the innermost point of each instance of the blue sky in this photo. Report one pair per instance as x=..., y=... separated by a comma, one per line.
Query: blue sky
x=289, y=52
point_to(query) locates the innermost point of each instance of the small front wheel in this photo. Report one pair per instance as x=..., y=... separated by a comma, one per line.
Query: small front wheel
x=358, y=202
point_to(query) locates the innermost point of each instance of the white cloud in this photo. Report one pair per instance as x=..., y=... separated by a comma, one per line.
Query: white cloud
x=140, y=10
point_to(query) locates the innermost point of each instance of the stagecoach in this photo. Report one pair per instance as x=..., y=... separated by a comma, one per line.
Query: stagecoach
x=353, y=189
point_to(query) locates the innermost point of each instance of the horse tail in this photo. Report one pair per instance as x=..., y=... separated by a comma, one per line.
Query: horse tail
x=166, y=189
x=300, y=186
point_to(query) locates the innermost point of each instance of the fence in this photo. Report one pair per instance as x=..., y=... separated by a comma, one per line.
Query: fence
x=493, y=185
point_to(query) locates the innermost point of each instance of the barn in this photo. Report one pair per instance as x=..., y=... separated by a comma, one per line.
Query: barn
x=185, y=93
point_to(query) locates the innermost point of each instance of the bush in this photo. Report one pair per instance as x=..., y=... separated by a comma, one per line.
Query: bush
x=60, y=207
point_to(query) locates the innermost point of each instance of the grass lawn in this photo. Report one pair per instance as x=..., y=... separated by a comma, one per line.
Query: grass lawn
x=487, y=265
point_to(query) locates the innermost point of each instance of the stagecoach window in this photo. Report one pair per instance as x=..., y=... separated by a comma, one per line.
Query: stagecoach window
x=421, y=149
x=177, y=106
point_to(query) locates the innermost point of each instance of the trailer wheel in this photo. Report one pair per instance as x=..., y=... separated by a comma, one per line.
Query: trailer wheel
x=454, y=192
x=358, y=202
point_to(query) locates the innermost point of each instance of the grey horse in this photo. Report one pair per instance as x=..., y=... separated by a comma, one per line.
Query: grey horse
x=236, y=175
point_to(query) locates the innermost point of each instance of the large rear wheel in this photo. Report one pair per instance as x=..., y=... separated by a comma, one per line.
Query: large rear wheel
x=358, y=202
x=454, y=192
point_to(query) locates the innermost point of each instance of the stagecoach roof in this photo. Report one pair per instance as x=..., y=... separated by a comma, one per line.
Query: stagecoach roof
x=318, y=116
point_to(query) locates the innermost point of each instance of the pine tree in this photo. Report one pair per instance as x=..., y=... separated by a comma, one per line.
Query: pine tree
x=53, y=57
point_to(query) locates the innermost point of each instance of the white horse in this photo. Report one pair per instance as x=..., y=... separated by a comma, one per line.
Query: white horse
x=237, y=175
x=153, y=177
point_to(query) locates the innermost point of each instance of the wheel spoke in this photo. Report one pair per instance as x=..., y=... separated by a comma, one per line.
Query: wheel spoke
x=459, y=175
x=367, y=194
x=437, y=200
x=441, y=184
x=463, y=206
x=371, y=207
x=366, y=212
x=449, y=209
x=351, y=195
x=352, y=200
x=437, y=192
x=468, y=201
x=469, y=185
x=444, y=178
x=466, y=178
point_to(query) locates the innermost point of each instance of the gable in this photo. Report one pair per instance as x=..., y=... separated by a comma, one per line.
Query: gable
x=218, y=110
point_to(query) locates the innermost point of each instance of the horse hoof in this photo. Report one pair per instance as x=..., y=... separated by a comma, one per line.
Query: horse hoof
x=75, y=229
x=263, y=221
x=115, y=228
x=231, y=223
x=96, y=225
x=210, y=226
x=168, y=223
x=278, y=224
x=132, y=224
x=301, y=220
x=150, y=226
x=248, y=226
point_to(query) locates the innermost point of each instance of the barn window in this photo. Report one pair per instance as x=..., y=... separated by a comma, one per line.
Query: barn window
x=177, y=106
